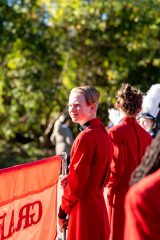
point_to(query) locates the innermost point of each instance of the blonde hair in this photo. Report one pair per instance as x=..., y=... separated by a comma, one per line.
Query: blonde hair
x=90, y=93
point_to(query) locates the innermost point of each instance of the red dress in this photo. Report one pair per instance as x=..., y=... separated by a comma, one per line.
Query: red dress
x=83, y=196
x=129, y=141
x=142, y=209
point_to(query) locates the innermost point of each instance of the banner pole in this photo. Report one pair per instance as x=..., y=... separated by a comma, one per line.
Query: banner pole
x=64, y=172
x=64, y=163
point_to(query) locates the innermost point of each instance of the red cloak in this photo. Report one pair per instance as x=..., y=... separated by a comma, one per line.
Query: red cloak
x=142, y=209
x=129, y=141
x=83, y=197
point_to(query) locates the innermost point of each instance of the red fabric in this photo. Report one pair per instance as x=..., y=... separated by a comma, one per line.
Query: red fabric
x=130, y=141
x=28, y=200
x=142, y=209
x=83, y=197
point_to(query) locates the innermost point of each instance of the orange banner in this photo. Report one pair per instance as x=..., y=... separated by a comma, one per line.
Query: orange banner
x=28, y=200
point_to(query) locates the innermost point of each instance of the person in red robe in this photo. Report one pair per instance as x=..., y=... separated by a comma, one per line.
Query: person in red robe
x=142, y=208
x=91, y=154
x=150, y=162
x=129, y=141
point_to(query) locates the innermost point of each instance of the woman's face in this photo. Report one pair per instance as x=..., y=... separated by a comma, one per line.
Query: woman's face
x=146, y=123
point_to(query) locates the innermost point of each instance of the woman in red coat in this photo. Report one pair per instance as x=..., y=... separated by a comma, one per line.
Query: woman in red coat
x=142, y=208
x=130, y=141
x=91, y=154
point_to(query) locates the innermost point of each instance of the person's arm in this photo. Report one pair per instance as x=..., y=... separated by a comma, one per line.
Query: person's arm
x=117, y=165
x=68, y=137
x=52, y=138
x=82, y=154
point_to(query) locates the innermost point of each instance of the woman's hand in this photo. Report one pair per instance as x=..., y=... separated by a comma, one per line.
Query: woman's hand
x=63, y=181
x=63, y=223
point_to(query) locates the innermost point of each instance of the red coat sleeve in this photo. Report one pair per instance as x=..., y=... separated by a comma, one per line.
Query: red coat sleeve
x=81, y=156
x=117, y=163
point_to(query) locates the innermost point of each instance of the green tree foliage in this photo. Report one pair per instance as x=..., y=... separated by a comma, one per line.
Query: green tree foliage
x=47, y=47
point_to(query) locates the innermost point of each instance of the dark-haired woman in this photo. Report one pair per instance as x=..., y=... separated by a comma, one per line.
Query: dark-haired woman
x=130, y=141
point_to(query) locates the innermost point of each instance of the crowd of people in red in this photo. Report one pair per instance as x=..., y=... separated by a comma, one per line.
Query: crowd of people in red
x=117, y=158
